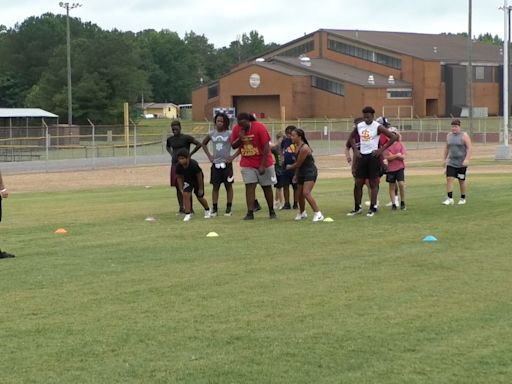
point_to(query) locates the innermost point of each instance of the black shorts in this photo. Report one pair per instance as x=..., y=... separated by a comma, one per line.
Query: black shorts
x=280, y=181
x=458, y=173
x=309, y=176
x=393, y=177
x=287, y=178
x=189, y=188
x=219, y=175
x=368, y=167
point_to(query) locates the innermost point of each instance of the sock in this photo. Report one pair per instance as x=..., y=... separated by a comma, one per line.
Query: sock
x=396, y=200
x=450, y=195
x=462, y=196
x=228, y=205
x=215, y=207
x=250, y=212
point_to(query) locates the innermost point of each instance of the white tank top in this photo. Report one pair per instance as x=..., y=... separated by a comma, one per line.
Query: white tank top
x=369, y=136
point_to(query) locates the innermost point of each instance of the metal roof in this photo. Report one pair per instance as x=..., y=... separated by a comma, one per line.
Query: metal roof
x=333, y=70
x=442, y=47
x=24, y=112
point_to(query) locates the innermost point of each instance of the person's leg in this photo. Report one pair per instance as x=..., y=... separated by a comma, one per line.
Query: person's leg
x=306, y=192
x=286, y=193
x=179, y=196
x=269, y=197
x=358, y=192
x=462, y=185
x=215, y=197
x=229, y=197
x=187, y=199
x=374, y=192
x=295, y=198
x=300, y=197
x=203, y=202
x=392, y=195
x=401, y=187
x=250, y=196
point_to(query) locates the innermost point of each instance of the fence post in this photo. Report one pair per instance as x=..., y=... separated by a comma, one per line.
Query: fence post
x=47, y=144
x=93, y=144
x=134, y=142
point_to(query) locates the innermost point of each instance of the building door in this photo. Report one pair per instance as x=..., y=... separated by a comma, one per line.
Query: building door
x=263, y=107
x=432, y=107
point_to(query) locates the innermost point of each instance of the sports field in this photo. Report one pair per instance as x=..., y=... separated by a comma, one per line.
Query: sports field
x=359, y=300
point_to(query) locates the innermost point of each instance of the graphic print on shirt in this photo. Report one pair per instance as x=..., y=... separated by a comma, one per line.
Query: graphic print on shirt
x=248, y=149
x=365, y=135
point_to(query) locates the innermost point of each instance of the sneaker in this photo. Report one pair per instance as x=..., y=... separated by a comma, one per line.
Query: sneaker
x=301, y=216
x=371, y=213
x=5, y=255
x=187, y=217
x=286, y=206
x=272, y=215
x=207, y=214
x=402, y=206
x=318, y=216
x=393, y=207
x=355, y=212
x=368, y=203
x=448, y=201
x=295, y=205
x=228, y=212
x=213, y=213
x=257, y=207
x=249, y=216
x=462, y=202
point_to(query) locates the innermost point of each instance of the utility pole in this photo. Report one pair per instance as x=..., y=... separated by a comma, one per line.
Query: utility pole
x=503, y=151
x=469, y=71
x=69, y=6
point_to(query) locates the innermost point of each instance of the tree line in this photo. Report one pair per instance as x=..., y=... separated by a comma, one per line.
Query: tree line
x=109, y=67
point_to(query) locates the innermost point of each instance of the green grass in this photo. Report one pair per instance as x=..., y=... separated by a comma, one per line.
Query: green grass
x=359, y=300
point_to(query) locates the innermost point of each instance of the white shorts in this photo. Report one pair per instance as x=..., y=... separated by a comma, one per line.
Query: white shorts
x=252, y=176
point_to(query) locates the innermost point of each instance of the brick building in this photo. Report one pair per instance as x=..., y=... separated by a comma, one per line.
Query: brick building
x=333, y=73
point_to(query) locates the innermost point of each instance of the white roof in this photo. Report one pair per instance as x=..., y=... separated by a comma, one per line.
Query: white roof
x=25, y=112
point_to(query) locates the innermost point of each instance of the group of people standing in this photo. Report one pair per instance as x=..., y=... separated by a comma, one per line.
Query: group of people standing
x=376, y=150
x=251, y=140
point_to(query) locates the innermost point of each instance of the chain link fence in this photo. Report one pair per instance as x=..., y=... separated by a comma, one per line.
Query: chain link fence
x=94, y=144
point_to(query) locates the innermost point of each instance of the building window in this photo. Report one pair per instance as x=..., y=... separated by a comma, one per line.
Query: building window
x=364, y=54
x=328, y=85
x=399, y=93
x=213, y=90
x=479, y=73
x=298, y=50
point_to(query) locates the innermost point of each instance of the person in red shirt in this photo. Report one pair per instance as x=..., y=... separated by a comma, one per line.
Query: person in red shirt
x=395, y=156
x=256, y=163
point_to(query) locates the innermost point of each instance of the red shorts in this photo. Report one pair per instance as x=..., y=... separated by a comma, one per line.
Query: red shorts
x=173, y=175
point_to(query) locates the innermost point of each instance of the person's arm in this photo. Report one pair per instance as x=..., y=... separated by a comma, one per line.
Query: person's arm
x=353, y=144
x=303, y=153
x=382, y=130
x=197, y=144
x=445, y=152
x=469, y=149
x=264, y=157
x=204, y=144
x=236, y=137
x=168, y=146
x=179, y=182
x=200, y=183
x=231, y=158
x=3, y=190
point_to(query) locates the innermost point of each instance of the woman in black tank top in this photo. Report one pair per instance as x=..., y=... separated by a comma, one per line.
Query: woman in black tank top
x=305, y=175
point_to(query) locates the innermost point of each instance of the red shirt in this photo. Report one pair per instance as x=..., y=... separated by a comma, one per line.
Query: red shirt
x=393, y=149
x=252, y=147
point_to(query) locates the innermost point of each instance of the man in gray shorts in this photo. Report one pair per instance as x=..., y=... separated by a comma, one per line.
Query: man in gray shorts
x=256, y=163
x=457, y=153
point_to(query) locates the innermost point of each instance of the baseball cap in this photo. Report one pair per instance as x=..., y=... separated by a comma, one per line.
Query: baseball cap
x=383, y=120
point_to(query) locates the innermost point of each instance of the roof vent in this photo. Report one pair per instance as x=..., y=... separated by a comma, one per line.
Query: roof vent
x=391, y=79
x=306, y=61
x=435, y=49
x=260, y=59
x=371, y=80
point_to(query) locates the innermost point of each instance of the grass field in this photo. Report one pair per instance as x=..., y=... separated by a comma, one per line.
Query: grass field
x=359, y=300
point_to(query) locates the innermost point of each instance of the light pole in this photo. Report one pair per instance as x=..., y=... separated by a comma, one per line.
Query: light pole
x=503, y=151
x=69, y=6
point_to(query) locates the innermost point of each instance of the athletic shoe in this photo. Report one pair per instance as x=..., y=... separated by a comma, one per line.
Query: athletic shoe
x=286, y=206
x=5, y=255
x=402, y=206
x=393, y=207
x=301, y=216
x=448, y=201
x=257, y=207
x=187, y=217
x=355, y=212
x=228, y=212
x=295, y=205
x=318, y=216
x=462, y=202
x=213, y=213
x=371, y=213
x=368, y=203
x=207, y=214
x=272, y=215
x=249, y=216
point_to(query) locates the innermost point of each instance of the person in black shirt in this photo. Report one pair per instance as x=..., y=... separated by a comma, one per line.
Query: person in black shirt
x=174, y=143
x=189, y=178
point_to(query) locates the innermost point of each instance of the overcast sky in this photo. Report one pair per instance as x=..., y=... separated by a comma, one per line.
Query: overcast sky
x=277, y=21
